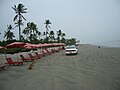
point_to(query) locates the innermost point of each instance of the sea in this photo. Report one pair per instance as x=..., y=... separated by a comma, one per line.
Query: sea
x=109, y=43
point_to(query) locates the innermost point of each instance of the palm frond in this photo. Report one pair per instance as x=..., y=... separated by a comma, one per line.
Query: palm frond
x=25, y=8
x=15, y=17
x=16, y=26
x=23, y=17
x=23, y=12
x=14, y=8
x=49, y=26
x=5, y=34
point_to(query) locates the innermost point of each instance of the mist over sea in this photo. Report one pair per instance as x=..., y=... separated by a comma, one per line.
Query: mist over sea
x=115, y=43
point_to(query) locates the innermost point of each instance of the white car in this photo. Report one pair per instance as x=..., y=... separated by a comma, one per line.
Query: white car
x=71, y=50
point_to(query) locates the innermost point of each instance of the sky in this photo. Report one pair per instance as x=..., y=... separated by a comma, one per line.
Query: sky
x=89, y=21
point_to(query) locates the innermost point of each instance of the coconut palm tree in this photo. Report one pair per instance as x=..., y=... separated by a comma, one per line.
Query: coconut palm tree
x=31, y=31
x=39, y=34
x=47, y=22
x=51, y=35
x=26, y=32
x=44, y=35
x=59, y=33
x=63, y=38
x=63, y=35
x=9, y=27
x=19, y=10
x=8, y=34
x=22, y=38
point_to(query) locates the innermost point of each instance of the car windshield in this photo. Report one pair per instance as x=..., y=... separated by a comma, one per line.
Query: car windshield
x=70, y=47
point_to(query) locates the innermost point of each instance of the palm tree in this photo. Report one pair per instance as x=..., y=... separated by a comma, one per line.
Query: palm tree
x=9, y=27
x=19, y=10
x=26, y=32
x=8, y=34
x=22, y=38
x=63, y=35
x=51, y=35
x=59, y=33
x=39, y=34
x=31, y=30
x=44, y=35
x=63, y=38
x=47, y=22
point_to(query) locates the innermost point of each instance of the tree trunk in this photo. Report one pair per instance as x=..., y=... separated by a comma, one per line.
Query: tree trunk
x=19, y=33
x=19, y=29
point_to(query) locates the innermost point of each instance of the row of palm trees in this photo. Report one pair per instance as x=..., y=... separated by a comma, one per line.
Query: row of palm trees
x=31, y=32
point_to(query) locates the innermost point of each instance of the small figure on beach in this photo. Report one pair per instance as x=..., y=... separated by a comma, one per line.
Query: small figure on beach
x=31, y=65
x=99, y=47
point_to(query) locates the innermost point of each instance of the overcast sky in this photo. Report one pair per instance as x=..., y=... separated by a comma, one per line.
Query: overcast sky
x=89, y=21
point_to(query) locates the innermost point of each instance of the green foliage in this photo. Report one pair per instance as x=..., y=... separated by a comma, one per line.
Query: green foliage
x=71, y=41
x=31, y=31
x=4, y=43
x=13, y=50
x=10, y=50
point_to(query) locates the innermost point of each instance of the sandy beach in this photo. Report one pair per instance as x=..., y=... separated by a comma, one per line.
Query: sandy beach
x=92, y=68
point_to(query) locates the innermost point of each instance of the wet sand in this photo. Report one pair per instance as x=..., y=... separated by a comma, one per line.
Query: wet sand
x=92, y=68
